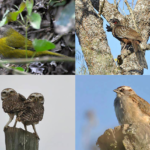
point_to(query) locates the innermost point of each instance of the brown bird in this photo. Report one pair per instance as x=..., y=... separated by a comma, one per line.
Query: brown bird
x=33, y=112
x=130, y=108
x=13, y=102
x=129, y=37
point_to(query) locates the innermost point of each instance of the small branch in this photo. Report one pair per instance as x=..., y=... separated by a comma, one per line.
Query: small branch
x=44, y=59
x=145, y=47
x=118, y=3
x=115, y=3
x=101, y=6
x=132, y=15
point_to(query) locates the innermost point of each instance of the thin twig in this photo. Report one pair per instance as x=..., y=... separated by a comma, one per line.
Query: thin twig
x=14, y=70
x=123, y=12
x=132, y=15
x=101, y=6
x=44, y=59
x=115, y=3
x=118, y=3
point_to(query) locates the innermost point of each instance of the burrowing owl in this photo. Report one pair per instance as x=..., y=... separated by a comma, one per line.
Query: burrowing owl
x=130, y=108
x=13, y=102
x=33, y=112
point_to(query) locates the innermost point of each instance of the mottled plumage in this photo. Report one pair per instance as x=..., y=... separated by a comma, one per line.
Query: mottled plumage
x=129, y=36
x=130, y=108
x=33, y=112
x=13, y=103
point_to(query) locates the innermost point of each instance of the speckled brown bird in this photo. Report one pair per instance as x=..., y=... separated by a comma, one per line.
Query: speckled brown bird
x=129, y=37
x=130, y=108
x=33, y=112
x=13, y=102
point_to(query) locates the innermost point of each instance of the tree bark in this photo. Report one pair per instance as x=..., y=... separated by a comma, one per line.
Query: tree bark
x=89, y=29
x=93, y=40
x=126, y=137
x=19, y=139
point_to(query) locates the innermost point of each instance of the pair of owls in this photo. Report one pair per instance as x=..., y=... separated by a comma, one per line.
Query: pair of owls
x=28, y=111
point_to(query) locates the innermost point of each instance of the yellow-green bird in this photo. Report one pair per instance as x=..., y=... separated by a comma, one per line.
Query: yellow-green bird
x=11, y=41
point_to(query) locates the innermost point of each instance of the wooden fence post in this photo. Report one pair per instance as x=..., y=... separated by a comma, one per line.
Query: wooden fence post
x=19, y=139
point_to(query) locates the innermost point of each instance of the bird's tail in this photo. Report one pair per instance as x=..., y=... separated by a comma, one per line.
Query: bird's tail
x=140, y=55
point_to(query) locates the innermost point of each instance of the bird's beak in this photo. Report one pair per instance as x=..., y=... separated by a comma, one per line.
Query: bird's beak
x=116, y=91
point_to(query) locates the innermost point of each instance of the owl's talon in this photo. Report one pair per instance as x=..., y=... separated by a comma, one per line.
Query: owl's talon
x=37, y=136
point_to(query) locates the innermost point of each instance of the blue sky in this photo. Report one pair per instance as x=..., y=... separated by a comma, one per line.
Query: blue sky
x=95, y=94
x=113, y=43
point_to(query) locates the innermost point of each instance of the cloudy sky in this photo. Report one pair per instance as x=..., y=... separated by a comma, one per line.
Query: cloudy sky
x=57, y=129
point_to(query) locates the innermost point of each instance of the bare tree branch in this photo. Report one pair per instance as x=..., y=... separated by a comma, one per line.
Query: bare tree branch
x=133, y=18
x=93, y=38
x=101, y=6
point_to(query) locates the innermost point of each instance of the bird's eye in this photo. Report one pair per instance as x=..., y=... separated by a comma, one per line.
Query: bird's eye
x=121, y=90
x=32, y=97
x=11, y=92
x=3, y=93
x=40, y=98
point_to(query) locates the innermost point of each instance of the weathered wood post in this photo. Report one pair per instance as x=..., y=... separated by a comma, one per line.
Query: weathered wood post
x=19, y=139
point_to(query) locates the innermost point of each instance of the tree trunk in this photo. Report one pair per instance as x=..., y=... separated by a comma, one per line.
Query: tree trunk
x=19, y=139
x=89, y=29
x=93, y=39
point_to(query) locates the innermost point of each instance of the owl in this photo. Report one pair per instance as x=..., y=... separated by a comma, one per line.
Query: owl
x=13, y=103
x=33, y=112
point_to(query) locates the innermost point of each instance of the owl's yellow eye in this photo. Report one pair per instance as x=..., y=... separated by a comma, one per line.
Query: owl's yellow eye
x=11, y=92
x=40, y=98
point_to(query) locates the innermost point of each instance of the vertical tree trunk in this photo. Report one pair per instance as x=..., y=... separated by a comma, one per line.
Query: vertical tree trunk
x=19, y=139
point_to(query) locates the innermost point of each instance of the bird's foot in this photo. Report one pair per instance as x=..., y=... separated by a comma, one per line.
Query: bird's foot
x=37, y=136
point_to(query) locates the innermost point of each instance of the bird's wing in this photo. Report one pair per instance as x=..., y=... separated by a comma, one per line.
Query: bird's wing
x=142, y=104
x=126, y=32
x=21, y=97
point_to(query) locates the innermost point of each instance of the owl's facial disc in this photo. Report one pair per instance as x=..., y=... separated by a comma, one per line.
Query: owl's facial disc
x=3, y=95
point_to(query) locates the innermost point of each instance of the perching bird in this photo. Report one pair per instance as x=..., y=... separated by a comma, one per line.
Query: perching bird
x=33, y=112
x=129, y=37
x=12, y=45
x=130, y=108
x=13, y=102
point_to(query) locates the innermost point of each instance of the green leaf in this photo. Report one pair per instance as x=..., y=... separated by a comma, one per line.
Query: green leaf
x=22, y=7
x=4, y=20
x=29, y=5
x=35, y=20
x=12, y=16
x=42, y=45
x=19, y=68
